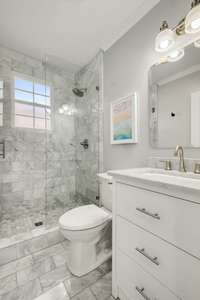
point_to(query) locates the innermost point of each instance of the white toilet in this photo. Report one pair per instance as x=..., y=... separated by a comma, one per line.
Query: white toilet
x=85, y=227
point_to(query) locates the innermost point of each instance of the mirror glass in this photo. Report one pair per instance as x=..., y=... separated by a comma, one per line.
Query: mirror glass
x=174, y=96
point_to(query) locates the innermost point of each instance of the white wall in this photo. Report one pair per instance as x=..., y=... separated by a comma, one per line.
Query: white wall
x=126, y=66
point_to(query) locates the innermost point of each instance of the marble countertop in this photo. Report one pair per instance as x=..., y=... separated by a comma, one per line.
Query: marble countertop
x=174, y=183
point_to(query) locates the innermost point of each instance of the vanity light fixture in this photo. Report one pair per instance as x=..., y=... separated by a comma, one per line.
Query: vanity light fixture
x=165, y=40
x=176, y=55
x=192, y=20
x=167, y=37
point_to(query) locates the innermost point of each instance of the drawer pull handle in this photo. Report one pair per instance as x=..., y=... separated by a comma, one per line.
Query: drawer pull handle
x=152, y=259
x=144, y=211
x=141, y=292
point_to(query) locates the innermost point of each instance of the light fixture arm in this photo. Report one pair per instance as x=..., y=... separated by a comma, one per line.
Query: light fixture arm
x=180, y=27
x=195, y=3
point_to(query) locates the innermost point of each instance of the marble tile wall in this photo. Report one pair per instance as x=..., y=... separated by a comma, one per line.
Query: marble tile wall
x=89, y=124
x=39, y=169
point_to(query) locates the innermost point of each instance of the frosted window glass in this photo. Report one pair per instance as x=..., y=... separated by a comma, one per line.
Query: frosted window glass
x=23, y=109
x=1, y=93
x=21, y=121
x=40, y=112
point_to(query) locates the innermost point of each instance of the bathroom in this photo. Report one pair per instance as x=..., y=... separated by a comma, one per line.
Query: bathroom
x=75, y=222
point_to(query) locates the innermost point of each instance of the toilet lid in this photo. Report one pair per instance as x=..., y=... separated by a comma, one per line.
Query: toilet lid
x=84, y=217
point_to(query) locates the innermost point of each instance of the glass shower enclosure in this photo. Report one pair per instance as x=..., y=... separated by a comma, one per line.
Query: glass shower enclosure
x=45, y=168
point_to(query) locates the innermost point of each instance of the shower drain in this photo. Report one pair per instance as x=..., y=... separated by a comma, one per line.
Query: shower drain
x=40, y=223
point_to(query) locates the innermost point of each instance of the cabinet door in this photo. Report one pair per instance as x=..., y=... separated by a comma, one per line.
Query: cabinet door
x=137, y=284
x=179, y=271
x=173, y=219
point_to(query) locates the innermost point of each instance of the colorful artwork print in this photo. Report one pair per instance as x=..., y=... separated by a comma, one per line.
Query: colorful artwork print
x=124, y=120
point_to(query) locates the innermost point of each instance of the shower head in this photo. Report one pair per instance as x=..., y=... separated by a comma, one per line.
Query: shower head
x=79, y=92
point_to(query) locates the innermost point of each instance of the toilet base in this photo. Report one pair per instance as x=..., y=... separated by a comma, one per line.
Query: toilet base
x=82, y=258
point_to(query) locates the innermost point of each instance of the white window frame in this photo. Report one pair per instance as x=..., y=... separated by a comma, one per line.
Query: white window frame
x=36, y=80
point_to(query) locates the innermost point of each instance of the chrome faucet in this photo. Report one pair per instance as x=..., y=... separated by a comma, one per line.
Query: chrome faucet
x=180, y=153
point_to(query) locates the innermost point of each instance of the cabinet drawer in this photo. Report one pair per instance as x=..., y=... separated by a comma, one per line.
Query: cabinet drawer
x=173, y=219
x=136, y=284
x=176, y=269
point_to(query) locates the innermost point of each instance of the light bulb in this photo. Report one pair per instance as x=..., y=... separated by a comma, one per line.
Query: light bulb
x=192, y=21
x=195, y=24
x=164, y=44
x=176, y=55
x=165, y=40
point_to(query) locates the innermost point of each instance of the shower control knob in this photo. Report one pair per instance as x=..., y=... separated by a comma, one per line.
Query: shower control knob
x=85, y=144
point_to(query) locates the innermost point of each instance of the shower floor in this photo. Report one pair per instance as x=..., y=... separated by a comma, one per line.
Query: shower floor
x=26, y=223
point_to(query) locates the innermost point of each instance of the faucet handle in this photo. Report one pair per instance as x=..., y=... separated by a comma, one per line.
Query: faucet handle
x=168, y=164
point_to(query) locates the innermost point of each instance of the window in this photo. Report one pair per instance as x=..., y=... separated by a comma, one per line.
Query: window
x=1, y=102
x=32, y=104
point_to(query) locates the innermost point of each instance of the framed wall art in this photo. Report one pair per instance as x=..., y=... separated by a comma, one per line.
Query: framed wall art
x=124, y=120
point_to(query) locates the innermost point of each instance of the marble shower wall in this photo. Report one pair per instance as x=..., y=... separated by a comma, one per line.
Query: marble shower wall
x=89, y=125
x=39, y=168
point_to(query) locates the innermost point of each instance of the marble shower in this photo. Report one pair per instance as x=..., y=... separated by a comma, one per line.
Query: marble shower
x=47, y=172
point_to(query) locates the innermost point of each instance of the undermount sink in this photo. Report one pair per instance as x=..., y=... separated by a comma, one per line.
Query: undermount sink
x=172, y=178
x=159, y=173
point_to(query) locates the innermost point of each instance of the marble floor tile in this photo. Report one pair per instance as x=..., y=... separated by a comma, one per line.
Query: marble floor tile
x=8, y=254
x=50, y=251
x=54, y=277
x=35, y=271
x=85, y=295
x=60, y=258
x=75, y=285
x=31, y=246
x=102, y=289
x=7, y=284
x=57, y=293
x=15, y=266
x=107, y=266
x=55, y=237
x=28, y=291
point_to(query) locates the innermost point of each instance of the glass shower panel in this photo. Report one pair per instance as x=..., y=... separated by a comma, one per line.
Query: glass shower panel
x=22, y=170
x=72, y=168
x=88, y=126
x=60, y=146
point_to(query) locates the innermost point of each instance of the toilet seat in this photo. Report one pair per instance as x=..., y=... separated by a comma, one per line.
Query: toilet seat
x=84, y=217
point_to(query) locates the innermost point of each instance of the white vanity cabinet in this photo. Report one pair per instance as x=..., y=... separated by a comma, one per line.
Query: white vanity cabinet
x=156, y=244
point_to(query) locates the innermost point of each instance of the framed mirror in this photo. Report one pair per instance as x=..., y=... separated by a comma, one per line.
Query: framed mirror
x=174, y=102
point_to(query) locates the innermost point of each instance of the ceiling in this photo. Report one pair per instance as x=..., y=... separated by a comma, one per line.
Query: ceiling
x=70, y=32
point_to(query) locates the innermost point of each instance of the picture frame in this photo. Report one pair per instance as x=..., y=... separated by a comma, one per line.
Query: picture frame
x=124, y=120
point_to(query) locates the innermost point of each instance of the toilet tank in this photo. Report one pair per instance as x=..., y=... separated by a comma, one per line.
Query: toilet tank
x=105, y=190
